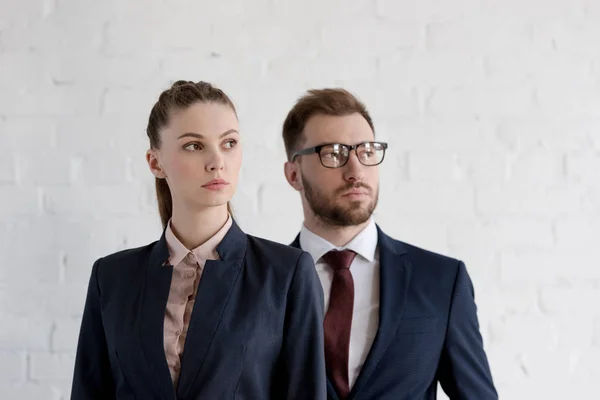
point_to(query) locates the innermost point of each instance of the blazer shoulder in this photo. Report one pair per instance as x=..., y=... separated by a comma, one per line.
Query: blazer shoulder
x=424, y=259
x=269, y=248
x=124, y=260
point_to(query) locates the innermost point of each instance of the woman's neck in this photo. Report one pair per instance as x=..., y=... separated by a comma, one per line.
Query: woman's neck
x=194, y=228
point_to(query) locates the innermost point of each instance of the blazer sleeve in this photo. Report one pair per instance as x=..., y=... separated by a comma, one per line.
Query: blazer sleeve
x=464, y=372
x=92, y=377
x=303, y=354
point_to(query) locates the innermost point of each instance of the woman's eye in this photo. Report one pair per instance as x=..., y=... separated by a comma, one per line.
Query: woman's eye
x=230, y=144
x=192, y=147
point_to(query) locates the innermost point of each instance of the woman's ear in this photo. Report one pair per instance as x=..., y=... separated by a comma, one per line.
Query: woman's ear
x=152, y=157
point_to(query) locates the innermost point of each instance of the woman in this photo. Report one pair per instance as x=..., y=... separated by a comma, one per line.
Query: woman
x=206, y=312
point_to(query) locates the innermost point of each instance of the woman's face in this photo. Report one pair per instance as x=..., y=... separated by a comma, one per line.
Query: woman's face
x=200, y=155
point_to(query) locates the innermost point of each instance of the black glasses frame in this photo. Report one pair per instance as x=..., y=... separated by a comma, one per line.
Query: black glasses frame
x=317, y=149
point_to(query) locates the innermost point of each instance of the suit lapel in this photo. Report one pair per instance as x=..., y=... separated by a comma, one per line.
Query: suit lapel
x=218, y=280
x=395, y=271
x=156, y=294
x=332, y=394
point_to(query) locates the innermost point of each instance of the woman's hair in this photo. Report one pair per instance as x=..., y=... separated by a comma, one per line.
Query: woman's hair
x=179, y=96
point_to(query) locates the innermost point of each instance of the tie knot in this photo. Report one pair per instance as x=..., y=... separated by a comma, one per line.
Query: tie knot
x=339, y=259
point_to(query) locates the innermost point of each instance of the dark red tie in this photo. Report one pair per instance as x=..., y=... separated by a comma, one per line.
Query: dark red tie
x=338, y=319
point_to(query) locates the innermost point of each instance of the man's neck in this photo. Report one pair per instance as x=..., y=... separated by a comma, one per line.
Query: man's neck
x=336, y=235
x=193, y=228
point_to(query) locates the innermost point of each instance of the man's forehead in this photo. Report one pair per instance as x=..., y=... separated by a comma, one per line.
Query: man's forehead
x=346, y=129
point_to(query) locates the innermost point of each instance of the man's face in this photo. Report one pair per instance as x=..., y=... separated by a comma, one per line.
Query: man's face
x=343, y=196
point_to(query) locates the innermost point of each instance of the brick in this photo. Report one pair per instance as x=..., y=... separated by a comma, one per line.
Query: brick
x=569, y=100
x=51, y=168
x=536, y=334
x=584, y=167
x=48, y=29
x=545, y=267
x=540, y=68
x=446, y=134
x=33, y=135
x=422, y=68
x=51, y=366
x=24, y=70
x=65, y=335
x=372, y=37
x=8, y=171
x=555, y=133
x=480, y=35
x=541, y=9
x=567, y=37
x=427, y=10
x=26, y=331
x=541, y=166
x=319, y=72
x=527, y=200
x=434, y=166
x=93, y=200
x=322, y=11
x=577, y=233
x=13, y=366
x=52, y=101
x=220, y=69
x=254, y=38
x=519, y=301
x=404, y=100
x=105, y=167
x=49, y=300
x=480, y=101
x=17, y=201
x=502, y=234
x=544, y=364
x=134, y=103
x=31, y=390
x=568, y=299
x=450, y=200
x=101, y=70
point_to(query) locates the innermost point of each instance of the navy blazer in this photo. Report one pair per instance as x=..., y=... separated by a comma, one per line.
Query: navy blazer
x=255, y=332
x=428, y=330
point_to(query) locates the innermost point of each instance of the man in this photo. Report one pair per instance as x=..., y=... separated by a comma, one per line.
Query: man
x=399, y=319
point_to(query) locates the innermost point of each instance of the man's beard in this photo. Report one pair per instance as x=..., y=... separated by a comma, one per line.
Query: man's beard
x=334, y=214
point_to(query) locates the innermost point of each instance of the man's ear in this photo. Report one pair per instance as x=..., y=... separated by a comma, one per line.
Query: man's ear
x=154, y=164
x=292, y=174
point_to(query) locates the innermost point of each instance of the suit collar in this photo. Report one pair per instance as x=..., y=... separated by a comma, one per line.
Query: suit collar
x=364, y=243
x=233, y=246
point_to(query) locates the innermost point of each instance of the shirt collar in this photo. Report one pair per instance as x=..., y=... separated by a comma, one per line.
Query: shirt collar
x=206, y=251
x=364, y=244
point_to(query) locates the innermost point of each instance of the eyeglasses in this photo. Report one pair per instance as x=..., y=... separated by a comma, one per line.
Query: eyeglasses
x=336, y=155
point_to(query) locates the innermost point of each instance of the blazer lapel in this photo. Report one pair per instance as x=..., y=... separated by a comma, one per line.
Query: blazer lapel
x=156, y=294
x=218, y=280
x=395, y=271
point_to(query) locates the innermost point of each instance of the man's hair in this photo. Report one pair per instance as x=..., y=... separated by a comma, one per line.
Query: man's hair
x=334, y=102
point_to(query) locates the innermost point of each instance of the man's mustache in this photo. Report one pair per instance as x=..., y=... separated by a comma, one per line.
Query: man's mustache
x=357, y=185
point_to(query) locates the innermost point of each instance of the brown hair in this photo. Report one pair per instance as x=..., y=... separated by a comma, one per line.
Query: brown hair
x=179, y=96
x=336, y=102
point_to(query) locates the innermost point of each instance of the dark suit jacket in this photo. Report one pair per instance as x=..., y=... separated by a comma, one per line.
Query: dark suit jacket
x=428, y=330
x=255, y=331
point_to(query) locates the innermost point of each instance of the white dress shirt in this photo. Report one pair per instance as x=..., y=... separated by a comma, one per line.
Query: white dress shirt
x=365, y=273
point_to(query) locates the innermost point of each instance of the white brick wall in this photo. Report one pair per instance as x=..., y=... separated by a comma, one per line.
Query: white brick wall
x=491, y=109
